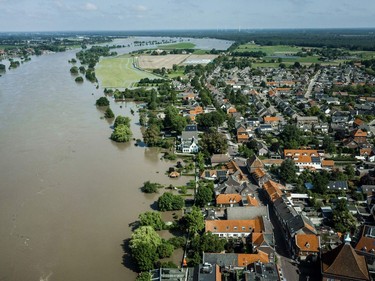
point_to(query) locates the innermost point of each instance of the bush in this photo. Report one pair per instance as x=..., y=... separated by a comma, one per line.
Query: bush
x=177, y=242
x=79, y=79
x=109, y=113
x=102, y=101
x=165, y=250
x=149, y=187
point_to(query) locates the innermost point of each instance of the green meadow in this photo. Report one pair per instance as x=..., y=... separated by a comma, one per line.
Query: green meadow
x=119, y=72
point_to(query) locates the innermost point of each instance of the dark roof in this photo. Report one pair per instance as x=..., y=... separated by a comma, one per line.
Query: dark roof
x=344, y=262
x=262, y=272
x=338, y=185
x=191, y=128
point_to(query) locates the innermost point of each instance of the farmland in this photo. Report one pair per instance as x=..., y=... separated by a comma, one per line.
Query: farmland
x=167, y=61
x=119, y=72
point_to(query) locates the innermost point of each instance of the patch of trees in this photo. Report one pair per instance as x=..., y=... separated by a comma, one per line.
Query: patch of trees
x=292, y=137
x=122, y=131
x=213, y=142
x=360, y=90
x=90, y=75
x=2, y=67
x=79, y=79
x=173, y=120
x=170, y=202
x=205, y=194
x=14, y=64
x=102, y=101
x=91, y=56
x=151, y=81
x=212, y=119
x=150, y=187
x=253, y=54
x=108, y=114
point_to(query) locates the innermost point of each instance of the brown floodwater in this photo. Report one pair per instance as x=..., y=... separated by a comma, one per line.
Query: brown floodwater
x=67, y=192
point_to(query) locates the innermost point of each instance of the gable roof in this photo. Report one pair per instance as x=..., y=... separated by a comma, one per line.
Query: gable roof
x=254, y=162
x=307, y=242
x=270, y=119
x=236, y=226
x=360, y=133
x=245, y=259
x=344, y=262
x=228, y=199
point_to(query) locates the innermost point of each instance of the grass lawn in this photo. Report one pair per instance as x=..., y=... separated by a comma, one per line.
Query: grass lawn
x=119, y=72
x=269, y=50
x=364, y=54
x=177, y=73
x=183, y=45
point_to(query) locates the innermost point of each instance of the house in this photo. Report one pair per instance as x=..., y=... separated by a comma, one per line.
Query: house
x=271, y=120
x=235, y=261
x=260, y=176
x=242, y=135
x=360, y=136
x=305, y=158
x=306, y=246
x=307, y=120
x=219, y=158
x=254, y=163
x=234, y=228
x=189, y=139
x=273, y=190
x=343, y=263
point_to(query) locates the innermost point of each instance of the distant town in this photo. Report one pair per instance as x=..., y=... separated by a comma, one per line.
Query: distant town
x=278, y=142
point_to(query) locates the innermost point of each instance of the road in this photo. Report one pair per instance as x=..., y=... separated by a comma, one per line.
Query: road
x=311, y=85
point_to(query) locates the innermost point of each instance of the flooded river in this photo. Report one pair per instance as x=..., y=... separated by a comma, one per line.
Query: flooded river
x=67, y=193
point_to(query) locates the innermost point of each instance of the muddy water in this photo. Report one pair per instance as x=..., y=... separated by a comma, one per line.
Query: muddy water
x=67, y=193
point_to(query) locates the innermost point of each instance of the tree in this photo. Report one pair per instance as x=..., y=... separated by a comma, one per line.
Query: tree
x=173, y=120
x=208, y=242
x=212, y=119
x=203, y=196
x=321, y=181
x=109, y=113
x=170, y=202
x=143, y=244
x=79, y=79
x=193, y=221
x=292, y=137
x=122, y=133
x=151, y=136
x=213, y=142
x=165, y=250
x=122, y=120
x=102, y=101
x=149, y=187
x=152, y=219
x=288, y=171
x=349, y=171
x=74, y=70
x=328, y=144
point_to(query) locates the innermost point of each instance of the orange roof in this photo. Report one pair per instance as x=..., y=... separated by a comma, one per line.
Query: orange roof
x=231, y=110
x=358, y=122
x=239, y=226
x=360, y=133
x=252, y=201
x=303, y=159
x=257, y=238
x=228, y=198
x=218, y=273
x=303, y=152
x=366, y=243
x=272, y=83
x=246, y=259
x=269, y=119
x=328, y=163
x=258, y=172
x=272, y=161
x=365, y=151
x=307, y=242
x=273, y=190
x=271, y=93
x=283, y=89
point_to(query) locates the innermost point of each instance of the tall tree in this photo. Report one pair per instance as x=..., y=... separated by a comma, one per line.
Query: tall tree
x=152, y=219
x=213, y=142
x=288, y=171
x=122, y=133
x=193, y=221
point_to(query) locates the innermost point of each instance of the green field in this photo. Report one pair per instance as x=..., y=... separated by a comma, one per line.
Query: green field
x=184, y=45
x=269, y=50
x=119, y=72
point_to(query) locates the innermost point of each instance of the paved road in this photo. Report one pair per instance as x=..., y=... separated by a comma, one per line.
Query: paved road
x=311, y=85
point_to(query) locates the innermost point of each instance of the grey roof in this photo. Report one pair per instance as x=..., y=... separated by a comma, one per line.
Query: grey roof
x=191, y=128
x=262, y=272
x=246, y=213
x=228, y=259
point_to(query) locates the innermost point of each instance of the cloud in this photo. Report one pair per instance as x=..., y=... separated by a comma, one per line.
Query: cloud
x=90, y=7
x=139, y=8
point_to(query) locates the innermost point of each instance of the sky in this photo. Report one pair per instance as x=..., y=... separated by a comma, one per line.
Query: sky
x=73, y=15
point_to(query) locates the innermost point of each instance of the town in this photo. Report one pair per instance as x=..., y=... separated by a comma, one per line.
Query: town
x=284, y=170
